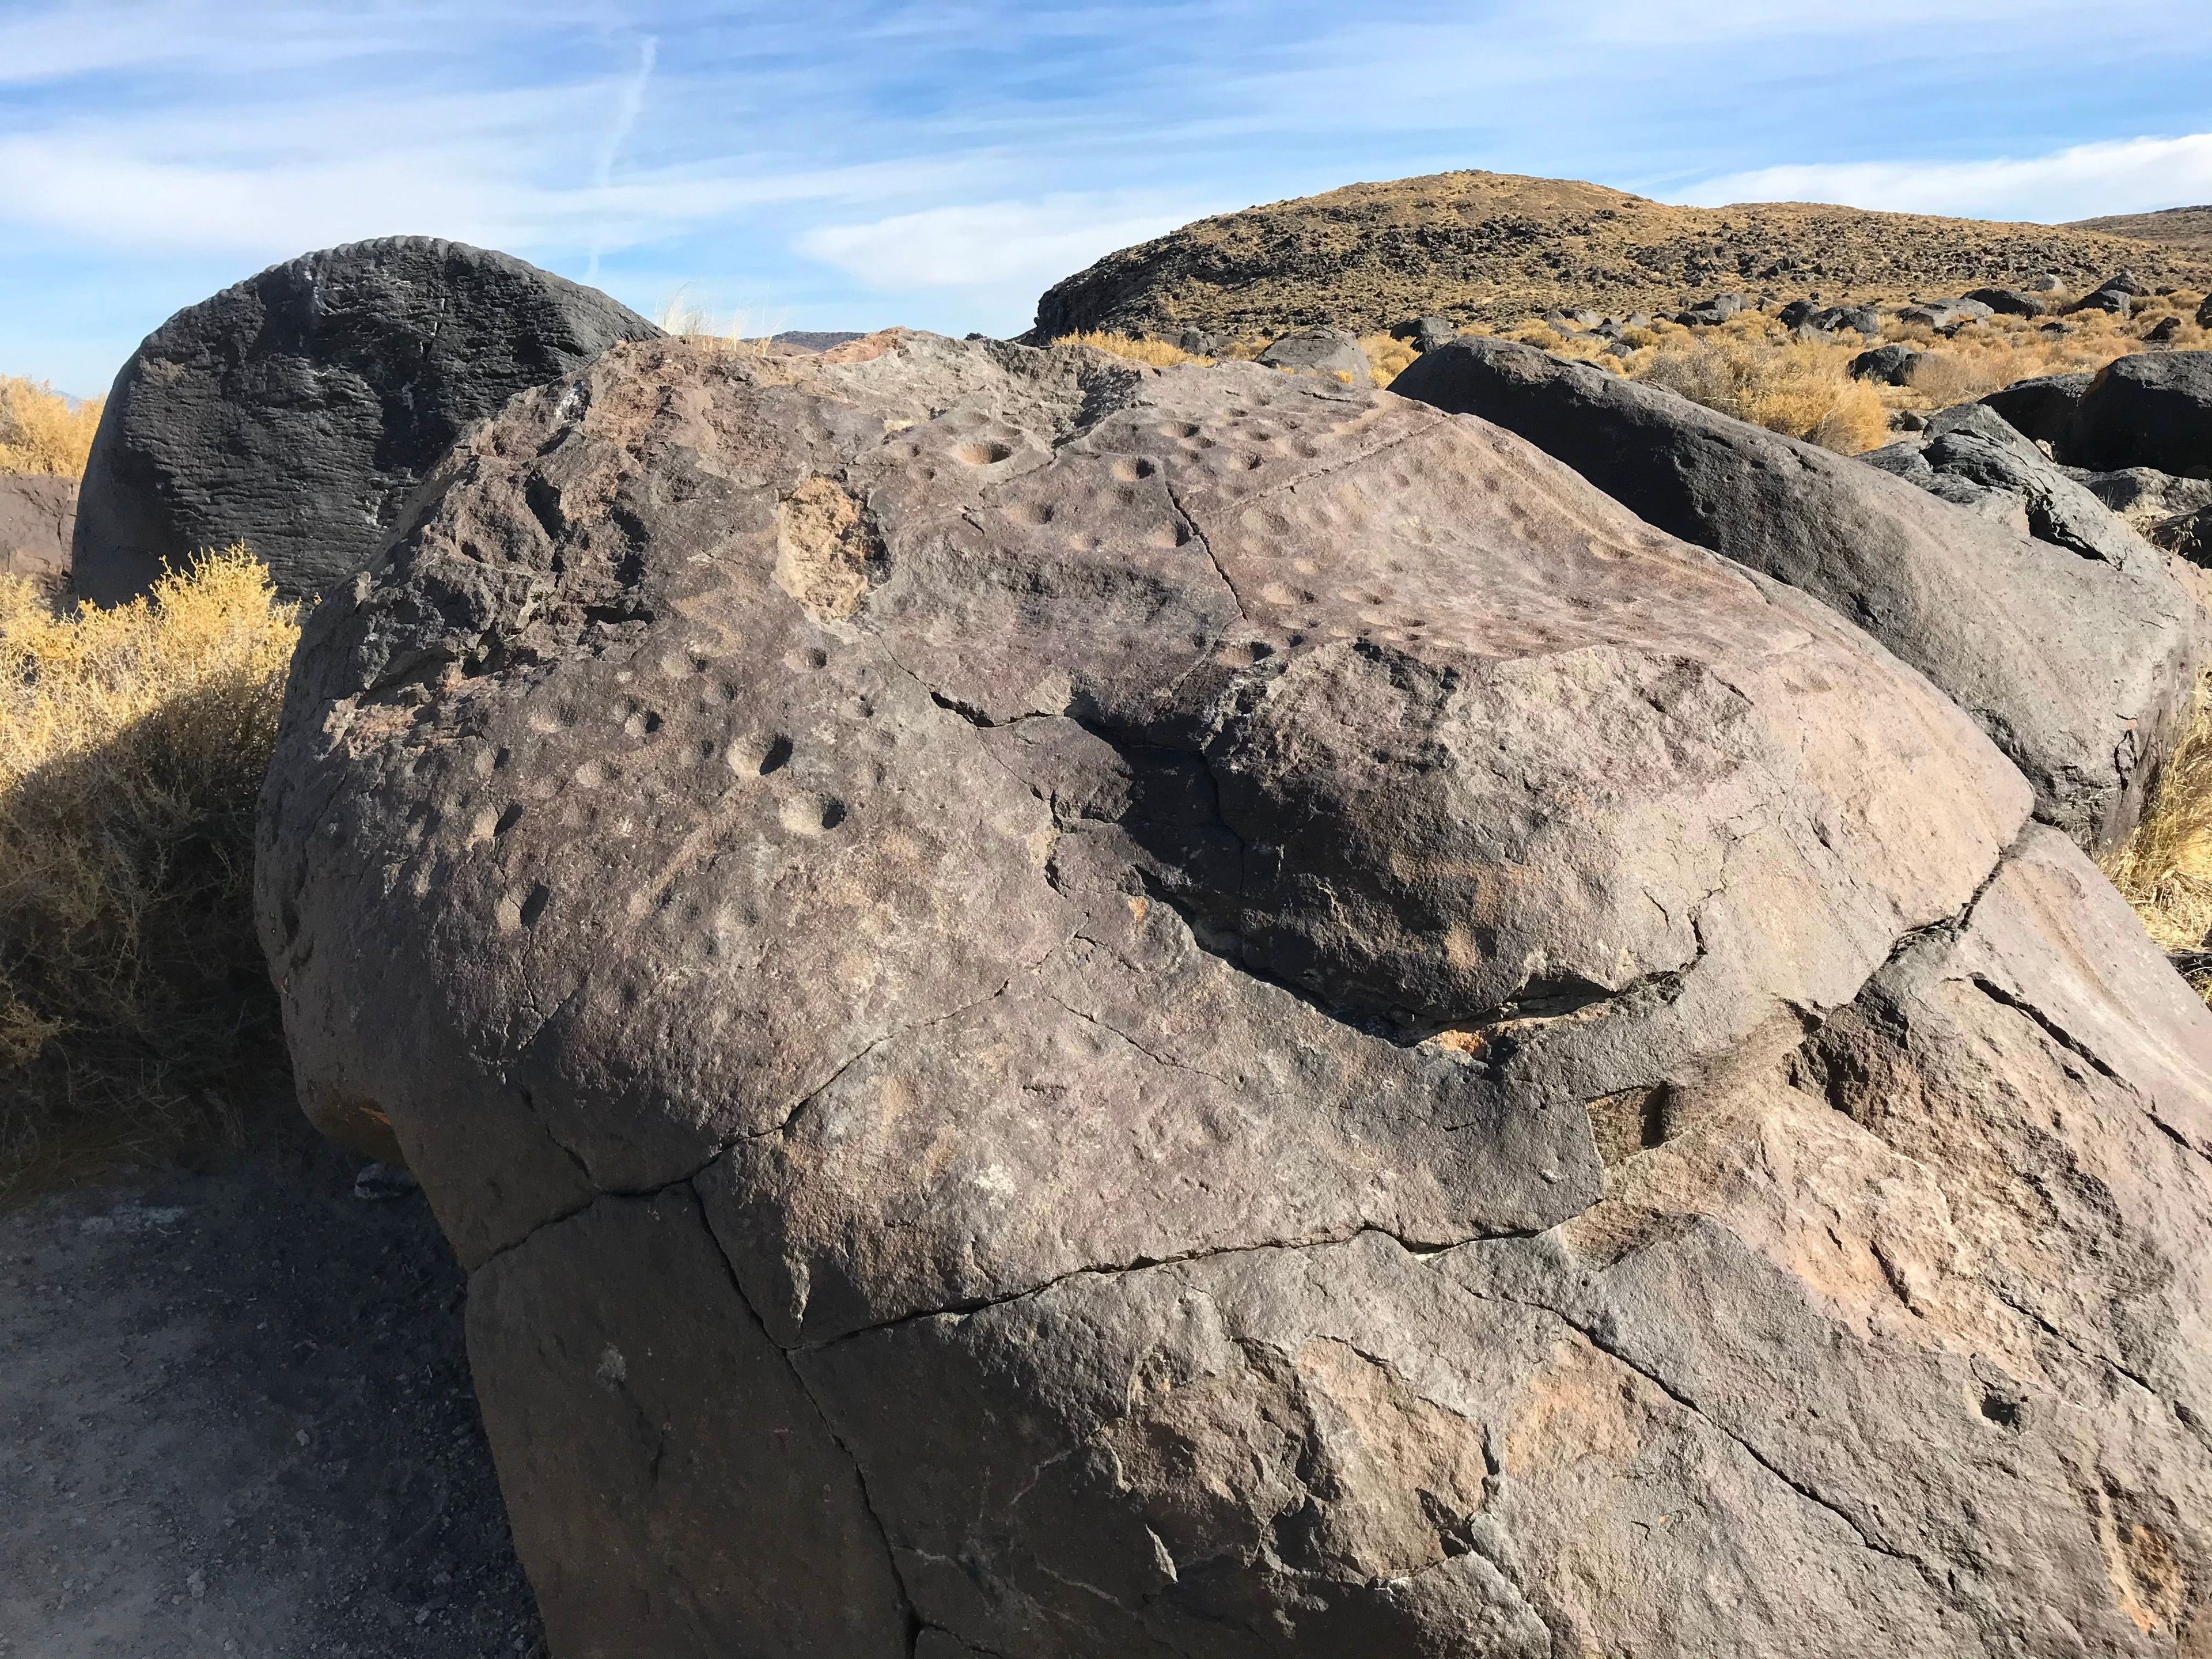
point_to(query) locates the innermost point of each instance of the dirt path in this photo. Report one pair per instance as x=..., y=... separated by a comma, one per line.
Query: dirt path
x=235, y=1419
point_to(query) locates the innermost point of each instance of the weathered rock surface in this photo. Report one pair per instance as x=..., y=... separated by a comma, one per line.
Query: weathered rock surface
x=2080, y=668
x=297, y=411
x=1067, y=1010
x=2152, y=410
x=36, y=515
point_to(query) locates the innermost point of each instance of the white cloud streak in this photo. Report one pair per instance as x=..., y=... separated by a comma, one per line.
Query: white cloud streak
x=2079, y=182
x=992, y=244
x=627, y=111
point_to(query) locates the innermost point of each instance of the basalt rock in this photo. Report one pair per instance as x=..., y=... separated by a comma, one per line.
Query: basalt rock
x=297, y=411
x=1328, y=352
x=2081, y=669
x=2043, y=409
x=1067, y=1009
x=2152, y=410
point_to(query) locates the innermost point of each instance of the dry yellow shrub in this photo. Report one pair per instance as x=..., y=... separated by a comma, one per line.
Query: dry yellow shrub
x=1386, y=358
x=132, y=743
x=1157, y=353
x=40, y=432
x=1802, y=390
x=2165, y=870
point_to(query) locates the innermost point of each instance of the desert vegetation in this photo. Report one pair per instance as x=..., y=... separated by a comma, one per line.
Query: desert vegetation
x=40, y=433
x=2166, y=872
x=133, y=1000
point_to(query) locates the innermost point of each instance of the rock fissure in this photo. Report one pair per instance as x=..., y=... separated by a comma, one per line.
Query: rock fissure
x=830, y=1429
x=1418, y=1249
x=1688, y=1403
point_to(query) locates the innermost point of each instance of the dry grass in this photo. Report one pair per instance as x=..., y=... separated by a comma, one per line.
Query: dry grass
x=1801, y=389
x=132, y=743
x=1753, y=368
x=1137, y=349
x=40, y=432
x=1994, y=352
x=2166, y=870
x=1387, y=357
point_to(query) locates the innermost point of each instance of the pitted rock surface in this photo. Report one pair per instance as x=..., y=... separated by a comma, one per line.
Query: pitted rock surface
x=2080, y=662
x=1034, y=986
x=297, y=411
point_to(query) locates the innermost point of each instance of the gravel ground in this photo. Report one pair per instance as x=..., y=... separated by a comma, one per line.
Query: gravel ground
x=235, y=1419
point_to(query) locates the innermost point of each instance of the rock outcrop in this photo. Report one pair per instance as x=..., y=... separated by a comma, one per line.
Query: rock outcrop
x=1067, y=1009
x=37, y=511
x=297, y=411
x=1970, y=456
x=2081, y=669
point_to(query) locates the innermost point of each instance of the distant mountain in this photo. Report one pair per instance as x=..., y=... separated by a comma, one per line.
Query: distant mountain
x=1496, y=247
x=2183, y=228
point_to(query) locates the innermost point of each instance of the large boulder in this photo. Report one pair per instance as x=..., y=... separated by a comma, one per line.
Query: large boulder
x=2152, y=410
x=297, y=411
x=2082, y=670
x=1892, y=365
x=1328, y=352
x=2011, y=302
x=37, y=511
x=2044, y=408
x=1073, y=1010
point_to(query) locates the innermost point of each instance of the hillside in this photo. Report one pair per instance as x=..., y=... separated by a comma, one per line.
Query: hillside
x=1496, y=248
x=2187, y=228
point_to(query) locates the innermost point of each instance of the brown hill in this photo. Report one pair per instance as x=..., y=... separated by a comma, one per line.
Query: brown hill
x=2188, y=229
x=1495, y=248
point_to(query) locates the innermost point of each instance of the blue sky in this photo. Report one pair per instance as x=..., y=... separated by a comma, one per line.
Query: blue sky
x=850, y=163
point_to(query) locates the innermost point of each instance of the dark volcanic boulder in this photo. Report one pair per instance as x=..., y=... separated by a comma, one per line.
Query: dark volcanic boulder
x=1892, y=365
x=1974, y=444
x=1328, y=352
x=2082, y=670
x=2153, y=410
x=37, y=511
x=2189, y=534
x=2043, y=409
x=1077, y=1012
x=2010, y=301
x=297, y=411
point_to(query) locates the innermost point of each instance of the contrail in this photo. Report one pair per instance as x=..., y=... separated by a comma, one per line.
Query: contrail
x=626, y=114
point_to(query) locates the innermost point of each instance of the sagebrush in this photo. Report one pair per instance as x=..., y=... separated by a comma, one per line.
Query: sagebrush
x=133, y=999
x=40, y=432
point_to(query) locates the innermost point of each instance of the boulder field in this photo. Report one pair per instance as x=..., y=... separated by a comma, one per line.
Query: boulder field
x=297, y=411
x=1071, y=1009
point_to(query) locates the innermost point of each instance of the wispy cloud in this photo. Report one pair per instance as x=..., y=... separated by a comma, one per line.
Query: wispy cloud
x=2078, y=182
x=991, y=244
x=627, y=110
